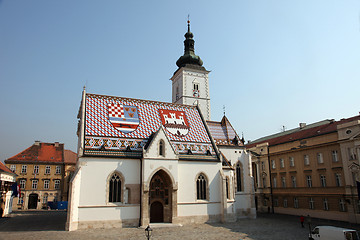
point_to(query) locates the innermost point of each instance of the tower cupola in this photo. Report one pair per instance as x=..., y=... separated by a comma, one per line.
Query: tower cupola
x=189, y=56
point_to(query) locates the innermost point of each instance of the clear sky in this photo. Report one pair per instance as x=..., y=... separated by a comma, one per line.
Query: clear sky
x=273, y=63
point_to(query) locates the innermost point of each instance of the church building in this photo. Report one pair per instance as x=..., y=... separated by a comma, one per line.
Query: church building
x=143, y=162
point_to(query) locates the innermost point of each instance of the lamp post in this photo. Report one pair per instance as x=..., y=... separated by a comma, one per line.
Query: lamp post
x=148, y=232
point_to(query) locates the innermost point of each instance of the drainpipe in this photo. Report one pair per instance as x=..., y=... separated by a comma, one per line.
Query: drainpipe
x=141, y=190
x=271, y=190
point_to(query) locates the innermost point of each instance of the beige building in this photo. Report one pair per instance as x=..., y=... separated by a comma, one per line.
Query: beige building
x=311, y=170
x=43, y=172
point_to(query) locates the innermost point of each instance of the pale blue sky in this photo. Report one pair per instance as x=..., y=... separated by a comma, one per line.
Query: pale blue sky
x=272, y=63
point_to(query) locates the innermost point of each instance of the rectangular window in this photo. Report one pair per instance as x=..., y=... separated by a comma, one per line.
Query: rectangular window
x=13, y=168
x=273, y=164
x=22, y=183
x=274, y=182
x=282, y=164
x=306, y=160
x=352, y=154
x=342, y=206
x=308, y=181
x=320, y=158
x=338, y=179
x=34, y=184
x=58, y=170
x=283, y=182
x=311, y=203
x=46, y=184
x=334, y=155
x=57, y=184
x=47, y=169
x=358, y=206
x=23, y=168
x=36, y=169
x=45, y=198
x=21, y=199
x=293, y=181
x=276, y=202
x=285, y=203
x=296, y=202
x=291, y=161
x=326, y=204
x=323, y=180
x=264, y=182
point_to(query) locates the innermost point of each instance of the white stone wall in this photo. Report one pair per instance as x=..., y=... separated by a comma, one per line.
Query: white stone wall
x=188, y=205
x=184, y=80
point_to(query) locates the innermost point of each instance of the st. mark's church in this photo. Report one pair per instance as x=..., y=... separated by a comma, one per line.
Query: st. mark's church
x=143, y=162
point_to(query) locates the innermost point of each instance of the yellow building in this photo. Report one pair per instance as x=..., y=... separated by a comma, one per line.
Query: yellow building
x=311, y=170
x=42, y=170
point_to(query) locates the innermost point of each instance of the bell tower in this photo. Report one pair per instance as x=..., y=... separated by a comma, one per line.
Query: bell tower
x=190, y=82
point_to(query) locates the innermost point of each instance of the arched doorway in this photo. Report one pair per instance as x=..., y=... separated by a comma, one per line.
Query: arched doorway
x=156, y=212
x=160, y=200
x=33, y=200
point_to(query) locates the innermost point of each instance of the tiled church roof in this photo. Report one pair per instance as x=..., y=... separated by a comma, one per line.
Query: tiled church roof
x=223, y=133
x=119, y=124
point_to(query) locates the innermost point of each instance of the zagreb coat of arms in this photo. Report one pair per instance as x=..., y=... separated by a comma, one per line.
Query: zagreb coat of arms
x=123, y=117
x=175, y=122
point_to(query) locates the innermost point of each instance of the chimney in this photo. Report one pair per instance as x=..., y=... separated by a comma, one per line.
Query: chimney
x=302, y=125
x=56, y=144
x=37, y=143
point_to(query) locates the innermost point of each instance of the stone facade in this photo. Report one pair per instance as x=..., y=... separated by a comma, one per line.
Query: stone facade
x=309, y=170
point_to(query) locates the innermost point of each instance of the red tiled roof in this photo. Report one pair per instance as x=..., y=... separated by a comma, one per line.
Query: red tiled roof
x=117, y=123
x=41, y=152
x=305, y=133
x=222, y=132
x=70, y=157
x=5, y=168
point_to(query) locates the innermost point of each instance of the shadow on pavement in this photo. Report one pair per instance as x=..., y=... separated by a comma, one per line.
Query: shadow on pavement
x=34, y=221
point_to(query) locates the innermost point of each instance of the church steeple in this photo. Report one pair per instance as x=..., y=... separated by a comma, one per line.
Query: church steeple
x=189, y=56
x=190, y=82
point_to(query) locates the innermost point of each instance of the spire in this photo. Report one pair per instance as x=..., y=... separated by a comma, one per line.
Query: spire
x=189, y=56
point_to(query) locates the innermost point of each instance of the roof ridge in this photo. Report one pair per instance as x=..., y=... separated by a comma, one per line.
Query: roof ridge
x=140, y=100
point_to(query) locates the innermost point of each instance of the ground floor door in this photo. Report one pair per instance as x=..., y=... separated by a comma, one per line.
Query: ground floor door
x=156, y=212
x=33, y=200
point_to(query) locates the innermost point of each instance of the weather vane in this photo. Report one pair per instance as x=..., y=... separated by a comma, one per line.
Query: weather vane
x=224, y=109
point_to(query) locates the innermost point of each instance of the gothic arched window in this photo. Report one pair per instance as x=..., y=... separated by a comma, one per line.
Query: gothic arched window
x=161, y=148
x=201, y=187
x=115, y=185
x=238, y=178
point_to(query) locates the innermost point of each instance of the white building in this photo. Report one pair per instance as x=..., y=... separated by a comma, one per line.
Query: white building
x=143, y=161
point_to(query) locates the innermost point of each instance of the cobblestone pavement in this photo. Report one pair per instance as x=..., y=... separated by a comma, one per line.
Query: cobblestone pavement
x=51, y=224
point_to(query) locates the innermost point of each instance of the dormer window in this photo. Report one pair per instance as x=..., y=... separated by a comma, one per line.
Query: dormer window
x=161, y=148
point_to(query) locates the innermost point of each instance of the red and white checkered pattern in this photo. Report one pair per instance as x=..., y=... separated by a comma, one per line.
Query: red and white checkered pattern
x=116, y=110
x=98, y=124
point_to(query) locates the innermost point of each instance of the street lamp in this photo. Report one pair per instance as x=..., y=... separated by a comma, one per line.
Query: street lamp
x=148, y=232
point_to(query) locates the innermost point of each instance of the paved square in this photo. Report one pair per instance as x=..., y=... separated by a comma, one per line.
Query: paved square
x=51, y=224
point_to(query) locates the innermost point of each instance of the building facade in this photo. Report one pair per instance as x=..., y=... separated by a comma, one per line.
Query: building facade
x=144, y=161
x=41, y=171
x=311, y=170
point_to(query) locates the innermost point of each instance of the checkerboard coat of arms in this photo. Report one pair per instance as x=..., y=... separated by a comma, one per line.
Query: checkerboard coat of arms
x=123, y=117
x=175, y=122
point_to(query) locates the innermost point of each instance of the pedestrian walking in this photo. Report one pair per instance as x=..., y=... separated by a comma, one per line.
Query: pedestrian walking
x=302, y=219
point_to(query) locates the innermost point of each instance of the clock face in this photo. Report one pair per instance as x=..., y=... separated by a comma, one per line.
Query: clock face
x=196, y=93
